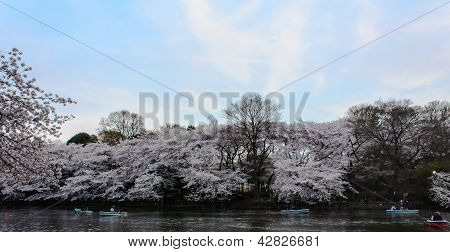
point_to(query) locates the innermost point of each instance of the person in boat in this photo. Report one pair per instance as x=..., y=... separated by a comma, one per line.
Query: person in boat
x=393, y=207
x=402, y=204
x=436, y=217
x=112, y=209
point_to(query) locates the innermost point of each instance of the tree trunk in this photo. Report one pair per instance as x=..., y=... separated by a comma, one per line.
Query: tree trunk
x=257, y=188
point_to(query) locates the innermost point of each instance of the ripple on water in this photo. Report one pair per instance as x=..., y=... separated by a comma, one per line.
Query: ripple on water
x=64, y=220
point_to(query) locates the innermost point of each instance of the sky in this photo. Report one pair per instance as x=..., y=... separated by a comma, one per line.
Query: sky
x=209, y=47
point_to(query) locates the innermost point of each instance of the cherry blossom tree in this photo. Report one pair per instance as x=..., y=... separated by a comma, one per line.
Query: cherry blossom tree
x=28, y=117
x=309, y=165
x=440, y=188
x=140, y=161
x=205, y=179
x=253, y=118
x=81, y=168
x=312, y=162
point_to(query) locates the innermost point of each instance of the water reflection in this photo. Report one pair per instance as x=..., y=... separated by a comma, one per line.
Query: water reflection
x=348, y=220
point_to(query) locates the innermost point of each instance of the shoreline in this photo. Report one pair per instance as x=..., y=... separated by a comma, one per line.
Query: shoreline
x=212, y=206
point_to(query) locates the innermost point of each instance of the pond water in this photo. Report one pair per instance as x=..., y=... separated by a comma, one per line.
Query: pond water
x=34, y=219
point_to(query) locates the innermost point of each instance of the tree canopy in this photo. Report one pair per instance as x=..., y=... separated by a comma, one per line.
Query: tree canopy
x=128, y=124
x=82, y=138
x=28, y=116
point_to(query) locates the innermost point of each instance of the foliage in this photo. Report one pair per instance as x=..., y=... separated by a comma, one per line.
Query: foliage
x=440, y=188
x=390, y=139
x=110, y=137
x=421, y=176
x=248, y=136
x=176, y=162
x=312, y=163
x=28, y=117
x=82, y=138
x=129, y=125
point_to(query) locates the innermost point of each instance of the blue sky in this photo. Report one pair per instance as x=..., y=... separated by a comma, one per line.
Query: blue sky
x=223, y=46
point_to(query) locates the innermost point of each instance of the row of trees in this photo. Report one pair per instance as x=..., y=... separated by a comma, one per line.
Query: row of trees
x=250, y=157
x=187, y=165
x=394, y=142
x=387, y=148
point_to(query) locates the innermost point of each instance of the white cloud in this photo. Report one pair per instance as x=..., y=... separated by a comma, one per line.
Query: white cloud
x=320, y=81
x=438, y=21
x=412, y=64
x=285, y=54
x=415, y=56
x=424, y=59
x=367, y=25
x=270, y=49
x=415, y=76
x=227, y=47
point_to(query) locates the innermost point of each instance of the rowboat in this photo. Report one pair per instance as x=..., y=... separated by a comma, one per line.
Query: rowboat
x=402, y=211
x=80, y=211
x=296, y=211
x=111, y=214
x=436, y=224
x=440, y=224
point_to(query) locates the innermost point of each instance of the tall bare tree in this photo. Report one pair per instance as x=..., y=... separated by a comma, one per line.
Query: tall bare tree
x=436, y=126
x=394, y=136
x=129, y=125
x=253, y=119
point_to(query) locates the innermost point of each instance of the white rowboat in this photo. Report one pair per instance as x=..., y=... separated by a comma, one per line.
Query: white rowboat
x=296, y=211
x=106, y=214
x=80, y=211
x=402, y=211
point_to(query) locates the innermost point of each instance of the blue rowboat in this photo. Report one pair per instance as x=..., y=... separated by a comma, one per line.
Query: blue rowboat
x=296, y=211
x=80, y=211
x=112, y=214
x=402, y=211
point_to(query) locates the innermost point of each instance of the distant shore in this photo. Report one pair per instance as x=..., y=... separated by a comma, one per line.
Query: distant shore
x=214, y=206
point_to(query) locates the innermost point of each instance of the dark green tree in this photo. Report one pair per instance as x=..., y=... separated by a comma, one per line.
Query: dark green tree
x=82, y=138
